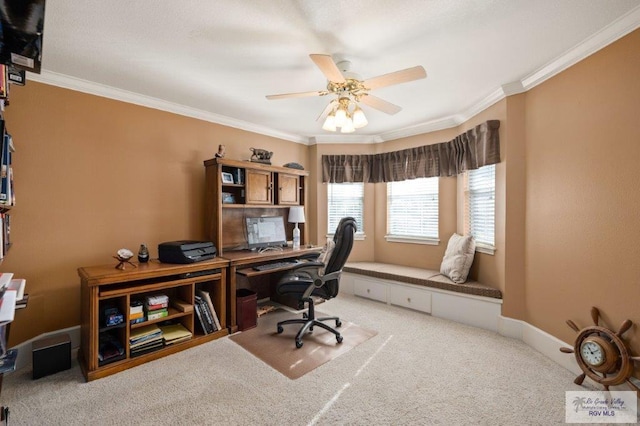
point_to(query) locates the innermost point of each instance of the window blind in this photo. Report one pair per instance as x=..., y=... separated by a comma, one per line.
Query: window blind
x=480, y=205
x=412, y=208
x=345, y=200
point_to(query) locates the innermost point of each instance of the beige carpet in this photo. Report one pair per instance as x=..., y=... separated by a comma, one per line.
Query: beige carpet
x=418, y=370
x=280, y=352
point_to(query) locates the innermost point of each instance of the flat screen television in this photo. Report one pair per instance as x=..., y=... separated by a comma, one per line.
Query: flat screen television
x=21, y=30
x=266, y=231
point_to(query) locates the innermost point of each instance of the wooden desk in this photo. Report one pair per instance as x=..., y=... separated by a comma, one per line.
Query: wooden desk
x=239, y=263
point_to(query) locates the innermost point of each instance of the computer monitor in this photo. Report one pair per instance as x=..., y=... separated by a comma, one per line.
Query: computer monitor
x=266, y=231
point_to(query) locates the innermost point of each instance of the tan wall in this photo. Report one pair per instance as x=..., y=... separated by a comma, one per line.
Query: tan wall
x=93, y=175
x=582, y=174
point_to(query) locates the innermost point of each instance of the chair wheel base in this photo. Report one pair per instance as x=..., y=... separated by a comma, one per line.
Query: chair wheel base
x=339, y=338
x=299, y=344
x=280, y=329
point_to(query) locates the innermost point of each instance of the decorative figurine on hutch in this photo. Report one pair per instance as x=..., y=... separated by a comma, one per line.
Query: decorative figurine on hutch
x=143, y=254
x=220, y=153
x=602, y=354
x=123, y=256
x=261, y=155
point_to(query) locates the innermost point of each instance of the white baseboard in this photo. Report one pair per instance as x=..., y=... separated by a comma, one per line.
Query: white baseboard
x=25, y=348
x=539, y=340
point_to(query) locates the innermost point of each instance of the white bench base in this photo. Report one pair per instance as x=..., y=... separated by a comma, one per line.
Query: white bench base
x=478, y=311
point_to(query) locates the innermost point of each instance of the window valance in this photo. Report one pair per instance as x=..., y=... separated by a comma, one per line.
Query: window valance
x=475, y=148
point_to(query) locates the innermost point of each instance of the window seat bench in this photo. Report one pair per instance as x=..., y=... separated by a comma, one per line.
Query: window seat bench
x=424, y=290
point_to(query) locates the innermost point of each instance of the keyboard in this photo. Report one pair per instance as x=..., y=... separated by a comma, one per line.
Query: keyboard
x=274, y=265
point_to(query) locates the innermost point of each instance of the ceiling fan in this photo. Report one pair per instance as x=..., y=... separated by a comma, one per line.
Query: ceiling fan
x=349, y=90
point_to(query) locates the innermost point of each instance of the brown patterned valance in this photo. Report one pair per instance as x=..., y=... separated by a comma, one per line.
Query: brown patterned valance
x=475, y=148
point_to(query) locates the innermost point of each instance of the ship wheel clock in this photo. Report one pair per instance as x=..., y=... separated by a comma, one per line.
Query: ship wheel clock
x=602, y=354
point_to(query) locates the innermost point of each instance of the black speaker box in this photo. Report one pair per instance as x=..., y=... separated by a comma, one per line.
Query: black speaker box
x=51, y=354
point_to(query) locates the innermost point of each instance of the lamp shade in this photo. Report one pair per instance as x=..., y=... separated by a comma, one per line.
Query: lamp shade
x=347, y=127
x=330, y=123
x=341, y=117
x=359, y=120
x=296, y=214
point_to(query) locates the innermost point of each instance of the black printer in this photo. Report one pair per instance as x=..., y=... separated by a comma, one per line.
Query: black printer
x=186, y=251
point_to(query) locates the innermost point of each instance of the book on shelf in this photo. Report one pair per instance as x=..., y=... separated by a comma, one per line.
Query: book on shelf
x=146, y=349
x=155, y=340
x=157, y=300
x=136, y=315
x=201, y=318
x=135, y=307
x=207, y=298
x=6, y=232
x=156, y=307
x=6, y=196
x=206, y=313
x=175, y=333
x=144, y=333
x=160, y=313
x=22, y=303
x=138, y=320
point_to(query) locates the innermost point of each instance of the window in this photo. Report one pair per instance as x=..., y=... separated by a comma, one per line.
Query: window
x=412, y=210
x=345, y=199
x=480, y=203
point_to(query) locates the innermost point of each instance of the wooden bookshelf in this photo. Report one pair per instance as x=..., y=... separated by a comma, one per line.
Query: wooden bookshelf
x=104, y=286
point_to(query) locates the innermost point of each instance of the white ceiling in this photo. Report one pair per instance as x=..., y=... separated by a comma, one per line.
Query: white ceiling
x=216, y=60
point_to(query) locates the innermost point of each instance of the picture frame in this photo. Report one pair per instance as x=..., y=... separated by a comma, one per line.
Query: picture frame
x=227, y=177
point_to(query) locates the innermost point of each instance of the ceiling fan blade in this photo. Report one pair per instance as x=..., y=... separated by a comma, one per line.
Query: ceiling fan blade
x=402, y=76
x=327, y=110
x=380, y=104
x=296, y=95
x=328, y=67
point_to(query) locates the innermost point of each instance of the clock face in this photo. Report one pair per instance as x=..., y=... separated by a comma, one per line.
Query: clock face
x=592, y=353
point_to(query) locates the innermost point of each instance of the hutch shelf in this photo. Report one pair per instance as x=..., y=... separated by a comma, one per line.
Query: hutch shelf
x=106, y=287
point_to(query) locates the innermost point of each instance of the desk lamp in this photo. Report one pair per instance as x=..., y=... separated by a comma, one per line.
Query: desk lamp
x=296, y=215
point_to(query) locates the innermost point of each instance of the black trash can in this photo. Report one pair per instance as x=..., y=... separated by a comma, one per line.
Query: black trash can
x=246, y=309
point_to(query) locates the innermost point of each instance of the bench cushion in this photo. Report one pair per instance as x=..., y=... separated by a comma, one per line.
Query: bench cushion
x=419, y=276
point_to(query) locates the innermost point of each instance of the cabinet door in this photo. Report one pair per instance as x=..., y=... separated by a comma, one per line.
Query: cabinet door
x=259, y=187
x=288, y=189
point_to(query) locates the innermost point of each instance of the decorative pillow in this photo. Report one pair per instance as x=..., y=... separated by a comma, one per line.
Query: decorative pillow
x=458, y=258
x=326, y=254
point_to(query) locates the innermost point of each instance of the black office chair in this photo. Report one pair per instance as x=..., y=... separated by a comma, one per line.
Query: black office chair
x=307, y=280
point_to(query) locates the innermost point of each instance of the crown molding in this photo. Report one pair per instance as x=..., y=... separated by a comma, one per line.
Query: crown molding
x=612, y=32
x=340, y=138
x=72, y=83
x=617, y=29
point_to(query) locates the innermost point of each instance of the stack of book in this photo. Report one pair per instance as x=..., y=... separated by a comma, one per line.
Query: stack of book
x=206, y=313
x=136, y=313
x=175, y=333
x=145, y=339
x=157, y=306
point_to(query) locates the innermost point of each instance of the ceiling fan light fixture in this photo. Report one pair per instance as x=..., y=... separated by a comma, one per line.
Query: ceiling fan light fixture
x=330, y=123
x=359, y=119
x=341, y=117
x=348, y=126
